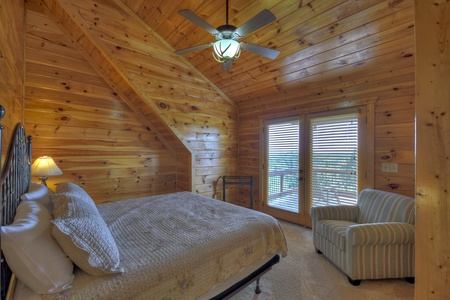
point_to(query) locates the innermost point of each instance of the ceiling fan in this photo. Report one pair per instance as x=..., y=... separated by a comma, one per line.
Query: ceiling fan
x=227, y=48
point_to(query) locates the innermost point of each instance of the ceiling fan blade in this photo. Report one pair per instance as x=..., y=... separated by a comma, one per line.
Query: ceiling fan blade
x=264, y=51
x=191, y=16
x=195, y=48
x=262, y=19
x=227, y=65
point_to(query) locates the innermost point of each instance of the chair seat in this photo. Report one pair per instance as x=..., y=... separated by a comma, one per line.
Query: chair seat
x=334, y=231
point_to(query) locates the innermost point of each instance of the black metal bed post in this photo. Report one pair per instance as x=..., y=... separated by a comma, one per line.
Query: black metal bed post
x=3, y=271
x=2, y=113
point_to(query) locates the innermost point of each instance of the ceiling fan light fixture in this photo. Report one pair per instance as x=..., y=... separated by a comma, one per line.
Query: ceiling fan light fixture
x=226, y=49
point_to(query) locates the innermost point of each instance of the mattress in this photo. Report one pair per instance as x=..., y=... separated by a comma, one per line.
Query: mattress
x=177, y=246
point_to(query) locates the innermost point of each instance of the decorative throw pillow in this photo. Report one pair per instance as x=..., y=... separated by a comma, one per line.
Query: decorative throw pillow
x=72, y=188
x=40, y=193
x=84, y=236
x=33, y=254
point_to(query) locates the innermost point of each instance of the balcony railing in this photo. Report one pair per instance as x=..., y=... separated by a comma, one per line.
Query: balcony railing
x=283, y=189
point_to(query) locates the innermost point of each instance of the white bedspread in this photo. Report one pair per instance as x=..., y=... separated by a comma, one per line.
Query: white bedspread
x=178, y=246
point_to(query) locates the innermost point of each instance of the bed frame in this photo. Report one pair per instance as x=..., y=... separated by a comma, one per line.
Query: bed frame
x=16, y=177
x=15, y=180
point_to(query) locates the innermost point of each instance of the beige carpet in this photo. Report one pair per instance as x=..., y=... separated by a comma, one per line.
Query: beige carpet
x=304, y=274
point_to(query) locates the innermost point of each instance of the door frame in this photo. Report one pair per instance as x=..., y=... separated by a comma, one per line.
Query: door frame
x=276, y=212
x=366, y=152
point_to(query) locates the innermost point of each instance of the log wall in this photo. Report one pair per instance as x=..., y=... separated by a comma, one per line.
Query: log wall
x=433, y=150
x=388, y=82
x=186, y=125
x=382, y=74
x=75, y=117
x=12, y=66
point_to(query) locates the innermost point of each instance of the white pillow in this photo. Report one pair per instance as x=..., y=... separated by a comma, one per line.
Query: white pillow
x=33, y=254
x=40, y=193
x=84, y=236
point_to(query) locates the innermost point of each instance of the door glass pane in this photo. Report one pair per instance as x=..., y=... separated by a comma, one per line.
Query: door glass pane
x=334, y=160
x=283, y=165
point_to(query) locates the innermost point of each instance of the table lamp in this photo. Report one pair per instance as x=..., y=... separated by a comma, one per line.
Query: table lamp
x=44, y=167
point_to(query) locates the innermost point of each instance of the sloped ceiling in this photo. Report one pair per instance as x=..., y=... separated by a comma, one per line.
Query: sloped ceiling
x=318, y=40
x=315, y=37
x=192, y=116
x=339, y=52
x=134, y=60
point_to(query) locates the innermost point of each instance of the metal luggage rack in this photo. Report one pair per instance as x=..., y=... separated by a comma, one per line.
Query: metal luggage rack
x=238, y=180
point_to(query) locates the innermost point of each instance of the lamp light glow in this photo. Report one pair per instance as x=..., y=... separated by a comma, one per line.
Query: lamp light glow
x=44, y=167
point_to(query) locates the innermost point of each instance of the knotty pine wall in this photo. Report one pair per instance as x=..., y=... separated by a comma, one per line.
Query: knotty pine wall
x=193, y=138
x=12, y=66
x=384, y=76
x=78, y=119
x=433, y=150
x=432, y=259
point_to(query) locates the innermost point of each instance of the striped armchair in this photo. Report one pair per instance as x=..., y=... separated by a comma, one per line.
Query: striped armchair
x=372, y=240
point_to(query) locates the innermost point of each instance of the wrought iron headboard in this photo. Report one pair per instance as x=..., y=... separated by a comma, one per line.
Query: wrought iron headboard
x=16, y=177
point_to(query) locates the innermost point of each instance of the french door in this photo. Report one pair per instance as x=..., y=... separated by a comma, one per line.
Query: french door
x=311, y=160
x=283, y=169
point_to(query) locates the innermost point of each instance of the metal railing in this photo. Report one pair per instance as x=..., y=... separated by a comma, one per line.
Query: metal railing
x=284, y=193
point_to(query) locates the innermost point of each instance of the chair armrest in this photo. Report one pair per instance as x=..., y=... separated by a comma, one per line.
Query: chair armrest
x=337, y=212
x=380, y=233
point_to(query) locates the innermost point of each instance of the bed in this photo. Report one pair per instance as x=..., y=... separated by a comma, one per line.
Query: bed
x=174, y=246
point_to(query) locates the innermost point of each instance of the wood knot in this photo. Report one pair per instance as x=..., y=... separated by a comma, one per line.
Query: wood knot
x=394, y=186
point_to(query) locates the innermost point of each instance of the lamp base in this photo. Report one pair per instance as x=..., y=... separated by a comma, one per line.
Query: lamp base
x=43, y=180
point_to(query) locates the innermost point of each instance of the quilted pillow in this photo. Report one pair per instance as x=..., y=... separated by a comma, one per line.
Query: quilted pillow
x=84, y=236
x=33, y=254
x=65, y=187
x=40, y=193
x=76, y=190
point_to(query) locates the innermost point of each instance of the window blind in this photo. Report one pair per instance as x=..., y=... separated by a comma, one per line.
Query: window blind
x=283, y=158
x=334, y=160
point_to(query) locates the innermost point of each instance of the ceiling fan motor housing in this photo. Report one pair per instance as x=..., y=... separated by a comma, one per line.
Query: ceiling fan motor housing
x=227, y=32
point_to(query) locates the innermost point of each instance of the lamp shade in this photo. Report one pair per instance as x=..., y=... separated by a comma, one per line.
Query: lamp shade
x=227, y=49
x=45, y=166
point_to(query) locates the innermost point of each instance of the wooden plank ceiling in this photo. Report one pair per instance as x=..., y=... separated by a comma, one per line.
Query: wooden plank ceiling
x=333, y=54
x=314, y=36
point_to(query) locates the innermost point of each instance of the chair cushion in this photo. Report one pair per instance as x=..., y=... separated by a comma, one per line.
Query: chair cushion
x=334, y=231
x=381, y=234
x=380, y=206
